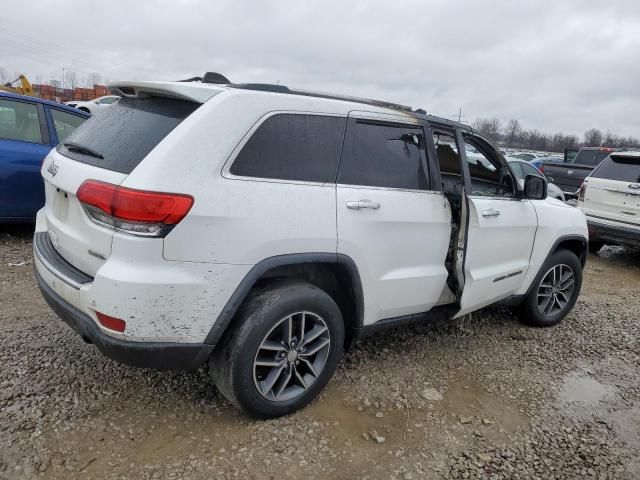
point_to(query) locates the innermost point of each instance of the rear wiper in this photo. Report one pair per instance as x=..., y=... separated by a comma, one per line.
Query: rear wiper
x=76, y=147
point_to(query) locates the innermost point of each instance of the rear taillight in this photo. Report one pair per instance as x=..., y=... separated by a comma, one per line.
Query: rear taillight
x=137, y=212
x=581, y=191
x=541, y=169
x=112, y=323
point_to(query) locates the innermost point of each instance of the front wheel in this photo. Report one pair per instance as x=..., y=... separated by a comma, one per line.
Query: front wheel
x=554, y=292
x=283, y=350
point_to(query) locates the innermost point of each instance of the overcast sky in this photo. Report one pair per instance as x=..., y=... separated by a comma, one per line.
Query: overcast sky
x=555, y=65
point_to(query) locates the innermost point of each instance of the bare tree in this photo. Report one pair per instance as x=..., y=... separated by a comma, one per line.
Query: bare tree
x=490, y=128
x=514, y=135
x=94, y=79
x=593, y=137
x=71, y=79
x=512, y=131
x=4, y=75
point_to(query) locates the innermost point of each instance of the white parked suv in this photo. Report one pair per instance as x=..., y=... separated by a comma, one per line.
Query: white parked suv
x=610, y=199
x=262, y=229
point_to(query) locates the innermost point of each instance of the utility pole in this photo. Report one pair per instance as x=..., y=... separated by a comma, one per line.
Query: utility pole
x=459, y=115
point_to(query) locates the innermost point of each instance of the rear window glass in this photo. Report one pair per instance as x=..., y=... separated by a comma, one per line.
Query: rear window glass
x=590, y=157
x=126, y=132
x=624, y=169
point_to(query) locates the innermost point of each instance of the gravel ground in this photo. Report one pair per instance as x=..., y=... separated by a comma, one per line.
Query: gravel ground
x=479, y=397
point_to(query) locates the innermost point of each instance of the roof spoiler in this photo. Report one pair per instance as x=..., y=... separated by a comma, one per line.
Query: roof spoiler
x=181, y=91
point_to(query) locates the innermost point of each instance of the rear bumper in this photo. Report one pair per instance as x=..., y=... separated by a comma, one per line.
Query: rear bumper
x=613, y=235
x=157, y=355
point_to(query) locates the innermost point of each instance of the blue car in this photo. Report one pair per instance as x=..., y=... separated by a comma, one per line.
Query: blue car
x=538, y=161
x=29, y=128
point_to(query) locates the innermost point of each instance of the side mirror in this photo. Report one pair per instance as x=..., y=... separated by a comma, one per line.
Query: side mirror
x=535, y=187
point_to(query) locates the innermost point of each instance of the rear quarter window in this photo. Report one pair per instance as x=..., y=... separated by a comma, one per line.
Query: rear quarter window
x=295, y=147
x=623, y=169
x=126, y=132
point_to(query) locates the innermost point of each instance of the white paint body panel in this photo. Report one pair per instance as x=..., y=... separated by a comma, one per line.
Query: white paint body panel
x=556, y=219
x=400, y=248
x=71, y=231
x=498, y=250
x=612, y=202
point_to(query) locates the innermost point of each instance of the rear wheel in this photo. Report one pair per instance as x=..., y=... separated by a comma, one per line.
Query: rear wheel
x=554, y=292
x=283, y=351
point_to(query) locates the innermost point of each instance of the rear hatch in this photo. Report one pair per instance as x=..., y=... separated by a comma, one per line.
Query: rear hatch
x=613, y=190
x=106, y=148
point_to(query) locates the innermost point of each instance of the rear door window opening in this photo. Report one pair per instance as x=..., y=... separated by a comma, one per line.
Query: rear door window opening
x=385, y=155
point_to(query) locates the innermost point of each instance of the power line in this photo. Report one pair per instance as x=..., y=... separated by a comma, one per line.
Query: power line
x=46, y=54
x=58, y=49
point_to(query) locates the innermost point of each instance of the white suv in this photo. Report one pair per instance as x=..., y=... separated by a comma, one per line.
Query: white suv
x=262, y=229
x=610, y=198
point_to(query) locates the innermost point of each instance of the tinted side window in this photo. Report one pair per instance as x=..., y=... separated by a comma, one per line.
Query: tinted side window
x=19, y=121
x=488, y=176
x=65, y=123
x=385, y=155
x=623, y=169
x=293, y=147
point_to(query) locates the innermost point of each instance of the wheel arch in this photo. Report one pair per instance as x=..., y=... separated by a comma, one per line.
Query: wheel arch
x=576, y=244
x=336, y=274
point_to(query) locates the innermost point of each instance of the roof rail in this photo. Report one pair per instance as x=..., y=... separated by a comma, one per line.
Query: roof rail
x=217, y=78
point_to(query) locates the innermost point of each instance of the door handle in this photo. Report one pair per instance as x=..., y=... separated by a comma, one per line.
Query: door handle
x=491, y=213
x=360, y=204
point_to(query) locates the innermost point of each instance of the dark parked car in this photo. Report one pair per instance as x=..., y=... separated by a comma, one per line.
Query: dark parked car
x=570, y=175
x=29, y=128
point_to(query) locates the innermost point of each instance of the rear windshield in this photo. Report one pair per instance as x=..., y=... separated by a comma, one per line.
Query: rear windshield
x=590, y=157
x=624, y=169
x=118, y=137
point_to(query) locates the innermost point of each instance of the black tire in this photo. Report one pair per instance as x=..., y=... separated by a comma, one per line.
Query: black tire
x=84, y=109
x=595, y=246
x=232, y=363
x=528, y=311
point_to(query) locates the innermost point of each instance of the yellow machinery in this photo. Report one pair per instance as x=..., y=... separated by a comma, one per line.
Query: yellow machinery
x=23, y=87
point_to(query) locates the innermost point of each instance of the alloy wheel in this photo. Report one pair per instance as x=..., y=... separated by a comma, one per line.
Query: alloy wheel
x=555, y=290
x=291, y=356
